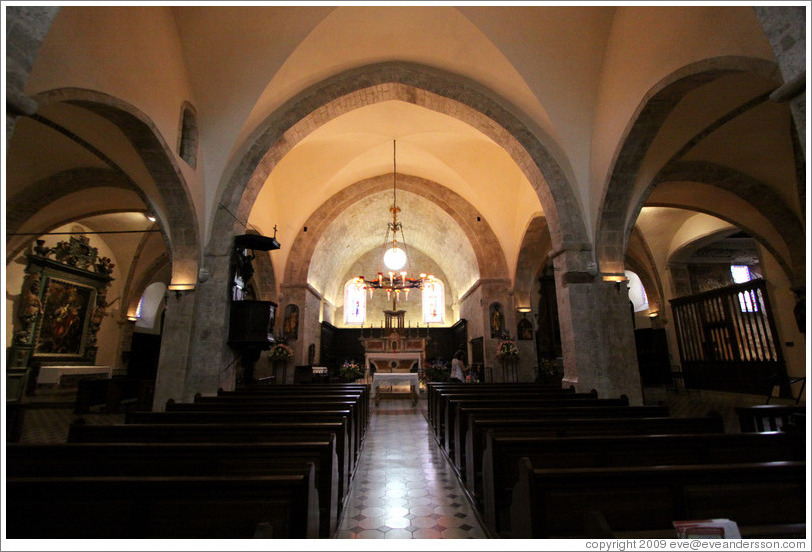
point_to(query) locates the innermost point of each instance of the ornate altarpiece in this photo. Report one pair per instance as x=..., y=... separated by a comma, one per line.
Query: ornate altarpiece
x=62, y=304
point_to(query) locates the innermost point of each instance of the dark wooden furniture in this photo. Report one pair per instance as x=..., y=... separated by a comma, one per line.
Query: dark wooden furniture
x=500, y=462
x=552, y=503
x=186, y=459
x=160, y=507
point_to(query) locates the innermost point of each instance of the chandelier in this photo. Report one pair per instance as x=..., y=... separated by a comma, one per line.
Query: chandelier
x=396, y=279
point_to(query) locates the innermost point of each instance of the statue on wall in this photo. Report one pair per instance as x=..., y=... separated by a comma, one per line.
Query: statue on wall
x=291, y=324
x=30, y=307
x=497, y=320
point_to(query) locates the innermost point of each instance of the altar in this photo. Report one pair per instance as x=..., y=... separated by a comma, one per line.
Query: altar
x=392, y=378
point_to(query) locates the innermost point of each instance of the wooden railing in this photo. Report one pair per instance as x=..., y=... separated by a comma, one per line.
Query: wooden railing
x=728, y=340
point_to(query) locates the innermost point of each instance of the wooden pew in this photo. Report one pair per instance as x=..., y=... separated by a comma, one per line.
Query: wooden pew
x=551, y=503
x=285, y=401
x=223, y=432
x=362, y=390
x=345, y=442
x=155, y=507
x=766, y=417
x=572, y=427
x=186, y=459
x=437, y=408
x=500, y=461
x=456, y=423
x=437, y=391
x=589, y=408
x=281, y=406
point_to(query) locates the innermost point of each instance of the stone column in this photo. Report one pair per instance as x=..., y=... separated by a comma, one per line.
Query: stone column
x=26, y=27
x=597, y=336
x=785, y=27
x=173, y=362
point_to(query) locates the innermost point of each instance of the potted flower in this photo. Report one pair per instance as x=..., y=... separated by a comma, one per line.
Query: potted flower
x=350, y=371
x=280, y=353
x=436, y=370
x=507, y=350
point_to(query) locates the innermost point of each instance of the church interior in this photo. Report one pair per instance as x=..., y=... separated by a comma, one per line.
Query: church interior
x=271, y=215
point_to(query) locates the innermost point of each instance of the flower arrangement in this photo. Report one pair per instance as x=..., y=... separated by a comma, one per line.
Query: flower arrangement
x=507, y=350
x=280, y=351
x=350, y=371
x=436, y=370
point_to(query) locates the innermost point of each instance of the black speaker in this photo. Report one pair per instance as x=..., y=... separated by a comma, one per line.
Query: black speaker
x=252, y=323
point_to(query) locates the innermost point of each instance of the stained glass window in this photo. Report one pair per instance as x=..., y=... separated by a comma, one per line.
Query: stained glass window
x=355, y=303
x=434, y=301
x=747, y=299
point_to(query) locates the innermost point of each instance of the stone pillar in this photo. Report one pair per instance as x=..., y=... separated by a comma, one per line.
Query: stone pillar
x=26, y=27
x=309, y=302
x=497, y=290
x=785, y=27
x=597, y=336
x=173, y=362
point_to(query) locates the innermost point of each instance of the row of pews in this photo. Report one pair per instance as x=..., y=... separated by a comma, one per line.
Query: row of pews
x=540, y=462
x=267, y=462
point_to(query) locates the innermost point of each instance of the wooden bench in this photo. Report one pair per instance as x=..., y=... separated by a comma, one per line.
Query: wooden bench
x=456, y=422
x=444, y=410
x=345, y=442
x=290, y=401
x=435, y=389
x=437, y=408
x=766, y=417
x=361, y=394
x=552, y=503
x=578, y=409
x=222, y=432
x=174, y=459
x=572, y=427
x=155, y=507
x=500, y=461
x=354, y=430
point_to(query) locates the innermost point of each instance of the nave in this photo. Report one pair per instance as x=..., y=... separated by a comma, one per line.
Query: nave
x=404, y=488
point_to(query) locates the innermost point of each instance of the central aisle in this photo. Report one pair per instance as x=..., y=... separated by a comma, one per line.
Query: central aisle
x=403, y=487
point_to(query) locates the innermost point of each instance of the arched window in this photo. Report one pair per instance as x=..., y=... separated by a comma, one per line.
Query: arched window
x=355, y=303
x=637, y=293
x=433, y=301
x=747, y=299
x=187, y=143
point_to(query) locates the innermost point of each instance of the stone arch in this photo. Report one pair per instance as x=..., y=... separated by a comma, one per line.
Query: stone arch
x=50, y=190
x=179, y=220
x=434, y=89
x=482, y=238
x=616, y=215
x=757, y=194
x=134, y=288
x=533, y=253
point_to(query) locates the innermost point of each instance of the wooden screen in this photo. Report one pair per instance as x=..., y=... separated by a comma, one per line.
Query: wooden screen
x=728, y=341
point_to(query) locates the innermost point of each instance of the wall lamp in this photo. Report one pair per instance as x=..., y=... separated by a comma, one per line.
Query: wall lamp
x=616, y=279
x=132, y=318
x=180, y=288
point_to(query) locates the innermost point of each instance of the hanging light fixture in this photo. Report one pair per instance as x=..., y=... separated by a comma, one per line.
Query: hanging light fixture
x=396, y=280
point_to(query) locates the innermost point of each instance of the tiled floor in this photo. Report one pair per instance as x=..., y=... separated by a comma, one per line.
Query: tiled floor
x=403, y=487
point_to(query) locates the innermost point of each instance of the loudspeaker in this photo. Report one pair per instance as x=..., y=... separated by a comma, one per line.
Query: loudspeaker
x=252, y=323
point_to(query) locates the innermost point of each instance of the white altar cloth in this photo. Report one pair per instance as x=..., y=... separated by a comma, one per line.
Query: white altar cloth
x=53, y=374
x=379, y=379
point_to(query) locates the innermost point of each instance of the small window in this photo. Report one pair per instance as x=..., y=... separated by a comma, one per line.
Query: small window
x=747, y=299
x=187, y=146
x=433, y=301
x=355, y=302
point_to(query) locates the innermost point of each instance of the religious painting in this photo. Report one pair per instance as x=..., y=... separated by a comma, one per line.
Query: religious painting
x=497, y=320
x=65, y=309
x=525, y=329
x=291, y=324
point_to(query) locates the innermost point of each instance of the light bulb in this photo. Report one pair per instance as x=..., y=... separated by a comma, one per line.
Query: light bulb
x=394, y=258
